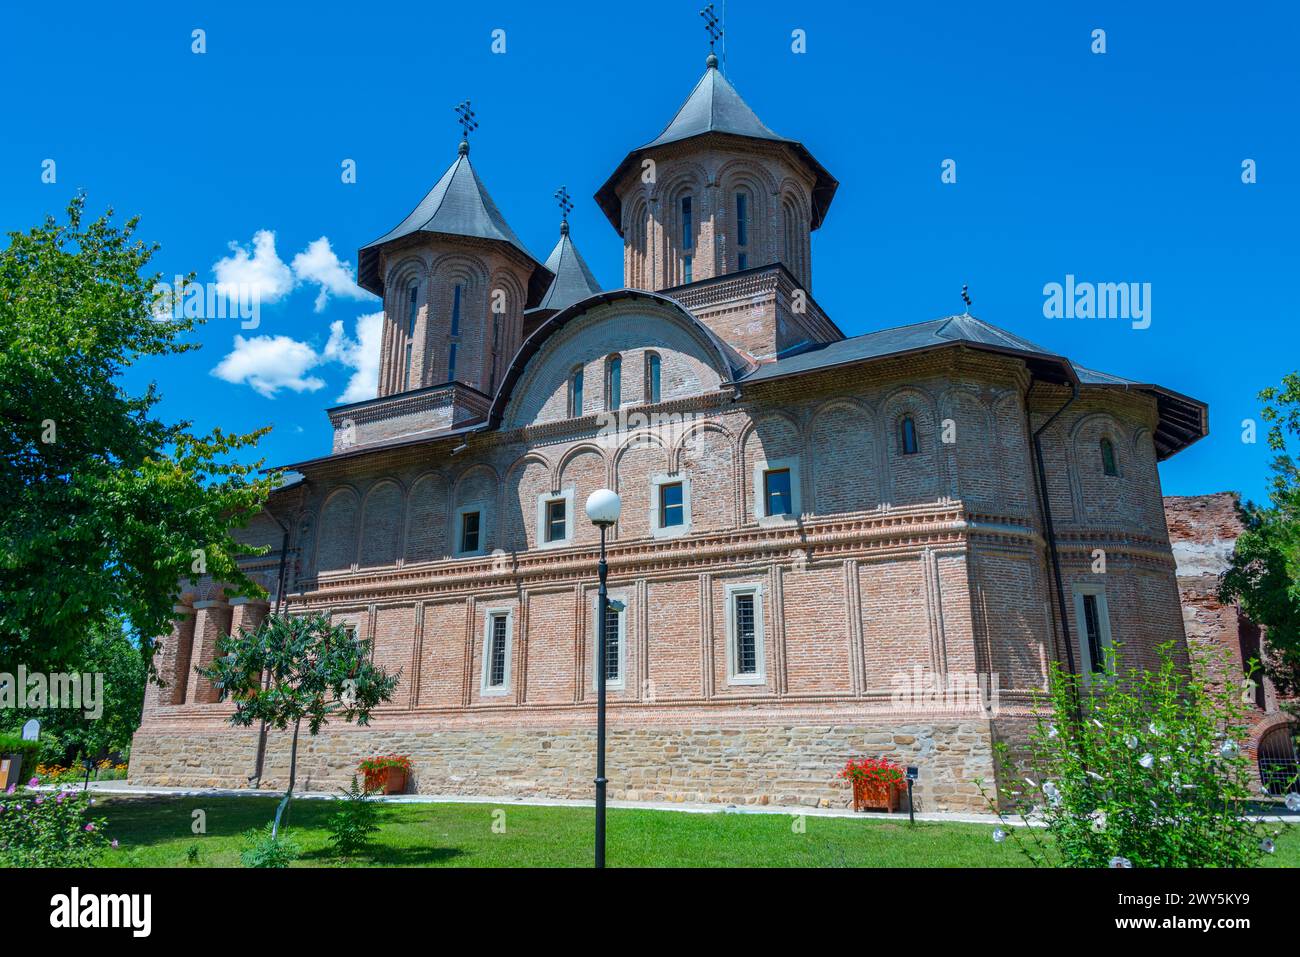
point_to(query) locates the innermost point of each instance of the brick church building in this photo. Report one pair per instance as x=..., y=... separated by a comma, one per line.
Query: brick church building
x=830, y=547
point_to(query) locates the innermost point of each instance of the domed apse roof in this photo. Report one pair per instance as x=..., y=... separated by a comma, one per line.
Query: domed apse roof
x=573, y=281
x=715, y=108
x=458, y=205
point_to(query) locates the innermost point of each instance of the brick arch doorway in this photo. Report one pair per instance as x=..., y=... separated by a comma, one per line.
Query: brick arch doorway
x=1279, y=759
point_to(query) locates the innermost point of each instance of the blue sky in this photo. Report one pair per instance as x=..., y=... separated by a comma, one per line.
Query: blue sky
x=1119, y=167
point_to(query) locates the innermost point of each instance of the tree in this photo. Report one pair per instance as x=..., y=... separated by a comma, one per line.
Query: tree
x=294, y=668
x=106, y=506
x=1264, y=575
x=110, y=652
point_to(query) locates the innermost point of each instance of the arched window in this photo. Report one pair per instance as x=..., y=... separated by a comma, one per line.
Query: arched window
x=412, y=313
x=1108, y=465
x=455, y=311
x=742, y=229
x=613, y=382
x=652, y=366
x=688, y=225
x=575, y=393
x=907, y=436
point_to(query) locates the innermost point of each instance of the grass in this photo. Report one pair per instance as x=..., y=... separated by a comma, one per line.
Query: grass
x=157, y=833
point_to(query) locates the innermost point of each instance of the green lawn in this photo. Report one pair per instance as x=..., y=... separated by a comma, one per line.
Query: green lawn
x=157, y=833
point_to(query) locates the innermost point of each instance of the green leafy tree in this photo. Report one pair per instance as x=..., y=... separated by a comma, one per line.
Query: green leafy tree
x=1150, y=771
x=1264, y=575
x=109, y=651
x=106, y=506
x=294, y=669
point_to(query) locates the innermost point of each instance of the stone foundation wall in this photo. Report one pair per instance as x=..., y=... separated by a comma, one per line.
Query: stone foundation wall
x=788, y=765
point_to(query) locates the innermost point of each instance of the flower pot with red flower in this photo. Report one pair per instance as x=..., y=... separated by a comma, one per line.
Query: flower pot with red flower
x=387, y=773
x=877, y=783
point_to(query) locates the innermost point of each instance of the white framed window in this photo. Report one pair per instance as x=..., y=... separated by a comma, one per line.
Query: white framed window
x=1092, y=622
x=615, y=643
x=469, y=525
x=555, y=519
x=498, y=639
x=776, y=491
x=745, y=632
x=670, y=505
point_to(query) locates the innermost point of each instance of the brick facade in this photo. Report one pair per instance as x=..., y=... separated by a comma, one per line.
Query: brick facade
x=891, y=567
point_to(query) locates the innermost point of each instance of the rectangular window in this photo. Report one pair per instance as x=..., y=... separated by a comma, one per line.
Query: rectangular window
x=469, y=532
x=1092, y=634
x=575, y=394
x=653, y=365
x=555, y=520
x=743, y=262
x=451, y=363
x=406, y=381
x=413, y=308
x=671, y=512
x=687, y=271
x=455, y=311
x=688, y=227
x=776, y=492
x=742, y=220
x=746, y=634
x=498, y=638
x=615, y=383
x=613, y=667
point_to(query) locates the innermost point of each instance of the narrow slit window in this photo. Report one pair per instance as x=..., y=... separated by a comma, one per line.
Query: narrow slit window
x=412, y=314
x=555, y=520
x=653, y=364
x=455, y=311
x=1108, y=465
x=688, y=226
x=687, y=270
x=742, y=220
x=907, y=436
x=497, y=653
x=615, y=383
x=671, y=510
x=469, y=531
x=746, y=637
x=1092, y=634
x=613, y=640
x=742, y=261
x=776, y=492
x=451, y=363
x=575, y=393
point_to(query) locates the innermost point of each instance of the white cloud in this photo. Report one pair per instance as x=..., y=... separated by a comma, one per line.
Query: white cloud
x=261, y=274
x=269, y=364
x=361, y=355
x=319, y=263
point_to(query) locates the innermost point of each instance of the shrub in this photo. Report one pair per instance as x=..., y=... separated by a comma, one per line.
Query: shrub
x=266, y=848
x=1147, y=769
x=14, y=744
x=352, y=824
x=49, y=830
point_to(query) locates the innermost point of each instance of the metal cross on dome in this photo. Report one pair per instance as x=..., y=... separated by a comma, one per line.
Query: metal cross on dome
x=465, y=117
x=965, y=297
x=566, y=204
x=711, y=24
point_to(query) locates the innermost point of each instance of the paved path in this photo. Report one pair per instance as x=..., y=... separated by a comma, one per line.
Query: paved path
x=112, y=788
x=122, y=788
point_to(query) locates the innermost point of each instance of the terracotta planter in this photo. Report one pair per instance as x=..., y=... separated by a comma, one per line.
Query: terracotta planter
x=387, y=780
x=11, y=766
x=873, y=796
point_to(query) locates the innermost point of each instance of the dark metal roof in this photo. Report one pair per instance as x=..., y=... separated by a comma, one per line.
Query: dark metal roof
x=573, y=279
x=715, y=108
x=458, y=205
x=1182, y=420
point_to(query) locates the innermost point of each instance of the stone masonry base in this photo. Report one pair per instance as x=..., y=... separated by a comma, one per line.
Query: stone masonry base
x=783, y=765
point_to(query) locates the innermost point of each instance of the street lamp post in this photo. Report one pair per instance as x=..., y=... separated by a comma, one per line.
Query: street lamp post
x=603, y=507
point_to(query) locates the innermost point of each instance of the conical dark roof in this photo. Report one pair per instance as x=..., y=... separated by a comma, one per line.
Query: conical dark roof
x=715, y=108
x=458, y=205
x=573, y=279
